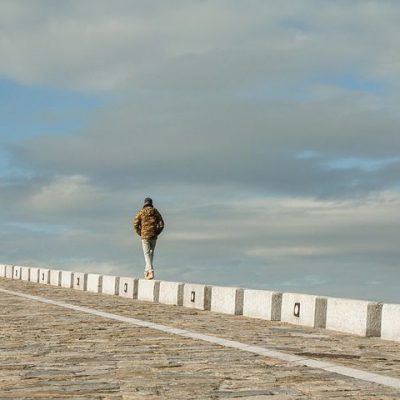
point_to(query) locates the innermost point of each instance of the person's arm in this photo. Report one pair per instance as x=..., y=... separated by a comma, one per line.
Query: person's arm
x=160, y=224
x=137, y=224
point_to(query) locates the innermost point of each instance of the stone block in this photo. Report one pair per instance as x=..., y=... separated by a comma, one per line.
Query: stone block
x=354, y=316
x=17, y=272
x=148, y=290
x=94, y=283
x=171, y=293
x=67, y=279
x=391, y=322
x=110, y=284
x=128, y=287
x=2, y=271
x=44, y=276
x=262, y=304
x=197, y=296
x=34, y=275
x=25, y=273
x=227, y=300
x=55, y=277
x=80, y=280
x=9, y=271
x=304, y=309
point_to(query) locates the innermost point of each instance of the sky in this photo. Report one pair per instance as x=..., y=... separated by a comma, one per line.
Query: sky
x=267, y=134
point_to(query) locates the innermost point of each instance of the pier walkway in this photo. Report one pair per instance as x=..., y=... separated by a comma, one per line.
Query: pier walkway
x=60, y=343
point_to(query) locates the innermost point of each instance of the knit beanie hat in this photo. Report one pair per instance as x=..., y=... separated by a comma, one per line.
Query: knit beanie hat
x=148, y=201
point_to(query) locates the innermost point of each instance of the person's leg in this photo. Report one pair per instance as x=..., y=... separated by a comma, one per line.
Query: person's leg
x=147, y=252
x=152, y=244
x=152, y=248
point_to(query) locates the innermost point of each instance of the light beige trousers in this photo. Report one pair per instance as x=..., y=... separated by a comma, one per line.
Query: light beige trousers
x=148, y=251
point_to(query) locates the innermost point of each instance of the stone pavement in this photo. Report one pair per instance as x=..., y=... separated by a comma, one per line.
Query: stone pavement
x=49, y=352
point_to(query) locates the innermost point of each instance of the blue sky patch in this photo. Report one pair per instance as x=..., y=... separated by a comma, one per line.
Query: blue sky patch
x=354, y=82
x=31, y=110
x=55, y=229
x=367, y=165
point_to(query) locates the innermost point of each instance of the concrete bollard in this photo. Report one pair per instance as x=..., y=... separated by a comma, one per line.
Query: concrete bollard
x=128, y=287
x=44, y=276
x=227, y=300
x=94, y=283
x=390, y=329
x=55, y=277
x=80, y=281
x=67, y=279
x=262, y=304
x=197, y=296
x=110, y=284
x=148, y=290
x=354, y=316
x=17, y=272
x=9, y=271
x=25, y=273
x=34, y=275
x=2, y=271
x=171, y=293
x=304, y=309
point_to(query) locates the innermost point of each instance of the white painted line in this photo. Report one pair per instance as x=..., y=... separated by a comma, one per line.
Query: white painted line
x=290, y=358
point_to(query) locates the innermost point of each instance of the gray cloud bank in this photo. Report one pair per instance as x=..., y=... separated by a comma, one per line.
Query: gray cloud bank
x=214, y=105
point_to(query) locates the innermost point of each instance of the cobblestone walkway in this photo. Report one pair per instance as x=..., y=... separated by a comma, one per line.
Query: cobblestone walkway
x=49, y=352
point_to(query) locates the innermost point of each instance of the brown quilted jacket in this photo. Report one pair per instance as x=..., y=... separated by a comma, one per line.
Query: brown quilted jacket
x=148, y=223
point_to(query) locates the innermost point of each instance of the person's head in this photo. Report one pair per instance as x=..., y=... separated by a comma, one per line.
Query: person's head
x=147, y=202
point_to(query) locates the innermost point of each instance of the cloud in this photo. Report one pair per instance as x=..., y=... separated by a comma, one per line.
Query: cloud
x=251, y=147
x=224, y=93
x=94, y=46
x=62, y=193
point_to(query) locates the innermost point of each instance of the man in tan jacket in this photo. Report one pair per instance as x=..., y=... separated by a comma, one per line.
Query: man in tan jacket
x=148, y=224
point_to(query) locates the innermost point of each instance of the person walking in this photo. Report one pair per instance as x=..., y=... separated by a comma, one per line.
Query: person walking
x=148, y=224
